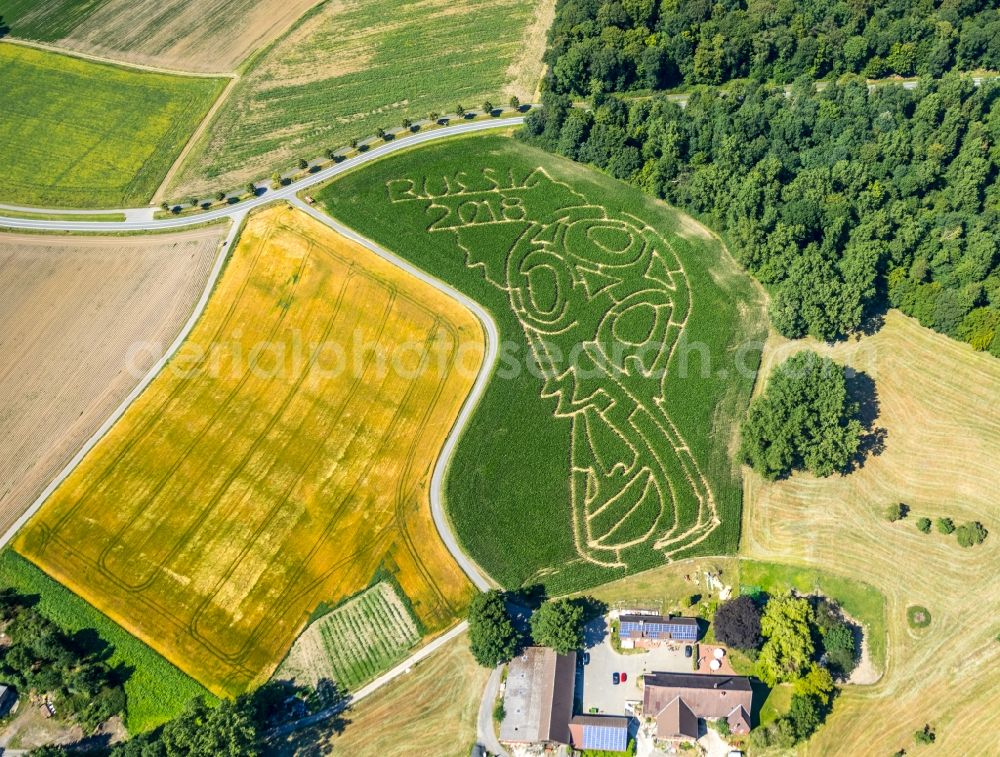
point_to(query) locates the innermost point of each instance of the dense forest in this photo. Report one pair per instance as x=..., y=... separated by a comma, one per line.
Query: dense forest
x=621, y=45
x=837, y=200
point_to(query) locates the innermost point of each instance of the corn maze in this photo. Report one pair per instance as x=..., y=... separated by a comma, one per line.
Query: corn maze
x=602, y=301
x=355, y=642
x=601, y=446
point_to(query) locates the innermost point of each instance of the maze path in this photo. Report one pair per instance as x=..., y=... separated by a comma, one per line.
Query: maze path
x=602, y=302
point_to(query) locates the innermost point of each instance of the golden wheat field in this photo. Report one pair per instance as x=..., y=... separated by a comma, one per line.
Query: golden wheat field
x=939, y=403
x=81, y=321
x=279, y=461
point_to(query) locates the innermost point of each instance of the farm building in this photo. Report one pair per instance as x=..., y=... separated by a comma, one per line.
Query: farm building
x=643, y=631
x=538, y=698
x=677, y=700
x=599, y=732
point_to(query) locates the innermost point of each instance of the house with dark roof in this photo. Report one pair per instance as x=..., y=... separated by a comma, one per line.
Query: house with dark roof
x=676, y=701
x=607, y=732
x=538, y=697
x=639, y=631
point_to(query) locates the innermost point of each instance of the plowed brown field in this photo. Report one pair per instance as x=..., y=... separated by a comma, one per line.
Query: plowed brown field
x=72, y=313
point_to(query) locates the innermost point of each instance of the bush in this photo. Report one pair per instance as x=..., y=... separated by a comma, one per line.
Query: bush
x=515, y=103
x=918, y=616
x=970, y=534
x=945, y=525
x=220, y=196
x=499, y=713
x=925, y=735
x=924, y=525
x=303, y=164
x=896, y=511
x=803, y=420
x=737, y=623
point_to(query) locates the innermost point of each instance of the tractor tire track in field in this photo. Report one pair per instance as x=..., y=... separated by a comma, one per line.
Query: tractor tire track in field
x=237, y=214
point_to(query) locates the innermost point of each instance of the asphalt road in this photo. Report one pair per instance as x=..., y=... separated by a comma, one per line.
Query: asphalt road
x=468, y=407
x=141, y=219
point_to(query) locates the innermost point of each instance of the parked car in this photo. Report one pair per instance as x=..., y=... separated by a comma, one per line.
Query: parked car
x=624, y=677
x=586, y=658
x=687, y=650
x=616, y=679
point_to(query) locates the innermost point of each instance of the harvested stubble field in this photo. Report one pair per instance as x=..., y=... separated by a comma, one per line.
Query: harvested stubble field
x=429, y=711
x=350, y=67
x=601, y=446
x=937, y=401
x=80, y=133
x=355, y=642
x=278, y=462
x=84, y=134
x=75, y=314
x=206, y=36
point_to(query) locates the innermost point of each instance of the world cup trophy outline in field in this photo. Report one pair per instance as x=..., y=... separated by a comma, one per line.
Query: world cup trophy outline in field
x=606, y=365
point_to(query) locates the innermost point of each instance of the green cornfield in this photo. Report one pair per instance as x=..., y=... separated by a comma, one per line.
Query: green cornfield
x=629, y=344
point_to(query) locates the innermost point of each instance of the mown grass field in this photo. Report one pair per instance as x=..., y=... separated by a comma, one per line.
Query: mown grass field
x=602, y=445
x=352, y=644
x=937, y=401
x=156, y=690
x=349, y=68
x=83, y=134
x=278, y=462
x=428, y=711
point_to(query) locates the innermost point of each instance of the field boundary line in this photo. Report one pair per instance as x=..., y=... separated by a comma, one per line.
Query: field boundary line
x=111, y=61
x=199, y=308
x=269, y=195
x=161, y=190
x=370, y=688
x=492, y=334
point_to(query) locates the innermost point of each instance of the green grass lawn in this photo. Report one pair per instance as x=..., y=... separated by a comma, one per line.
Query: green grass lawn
x=83, y=134
x=156, y=690
x=862, y=602
x=347, y=69
x=572, y=474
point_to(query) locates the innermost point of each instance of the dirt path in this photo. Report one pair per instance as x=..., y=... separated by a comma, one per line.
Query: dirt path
x=161, y=190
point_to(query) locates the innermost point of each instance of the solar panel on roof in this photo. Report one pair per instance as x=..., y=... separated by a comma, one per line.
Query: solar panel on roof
x=605, y=737
x=674, y=629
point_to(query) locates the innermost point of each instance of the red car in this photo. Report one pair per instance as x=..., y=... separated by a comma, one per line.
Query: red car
x=624, y=677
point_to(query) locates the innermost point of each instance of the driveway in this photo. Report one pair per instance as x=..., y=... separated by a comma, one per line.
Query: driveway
x=595, y=681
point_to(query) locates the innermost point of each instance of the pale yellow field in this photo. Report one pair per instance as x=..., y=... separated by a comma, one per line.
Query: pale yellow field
x=430, y=711
x=203, y=36
x=74, y=316
x=281, y=458
x=940, y=405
